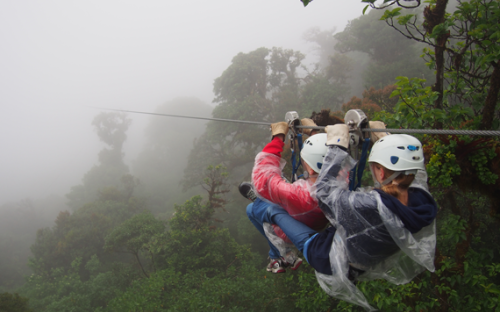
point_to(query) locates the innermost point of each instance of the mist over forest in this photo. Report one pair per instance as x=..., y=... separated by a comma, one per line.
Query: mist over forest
x=103, y=210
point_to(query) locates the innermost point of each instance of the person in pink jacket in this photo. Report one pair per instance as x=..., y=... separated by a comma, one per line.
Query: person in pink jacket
x=295, y=198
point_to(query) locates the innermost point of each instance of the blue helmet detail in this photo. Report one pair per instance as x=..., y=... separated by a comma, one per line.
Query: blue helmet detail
x=413, y=148
x=394, y=159
x=319, y=165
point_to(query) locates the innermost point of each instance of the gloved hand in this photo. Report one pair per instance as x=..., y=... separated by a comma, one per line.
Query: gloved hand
x=375, y=136
x=310, y=123
x=279, y=128
x=337, y=135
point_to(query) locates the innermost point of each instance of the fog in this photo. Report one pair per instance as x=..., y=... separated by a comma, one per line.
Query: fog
x=60, y=58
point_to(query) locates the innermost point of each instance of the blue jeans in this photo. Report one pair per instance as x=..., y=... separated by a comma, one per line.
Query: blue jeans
x=260, y=211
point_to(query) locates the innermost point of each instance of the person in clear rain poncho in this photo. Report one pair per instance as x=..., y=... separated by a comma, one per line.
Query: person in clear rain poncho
x=384, y=232
x=295, y=198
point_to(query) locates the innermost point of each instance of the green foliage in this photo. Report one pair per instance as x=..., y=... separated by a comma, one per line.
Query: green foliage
x=65, y=290
x=391, y=14
x=442, y=166
x=81, y=234
x=416, y=110
x=480, y=161
x=135, y=233
x=309, y=297
x=454, y=231
x=391, y=54
x=306, y=2
x=19, y=222
x=194, y=242
x=135, y=236
x=462, y=52
x=13, y=303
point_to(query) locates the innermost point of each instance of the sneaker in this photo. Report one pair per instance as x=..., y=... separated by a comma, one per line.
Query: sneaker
x=246, y=189
x=292, y=261
x=295, y=265
x=276, y=266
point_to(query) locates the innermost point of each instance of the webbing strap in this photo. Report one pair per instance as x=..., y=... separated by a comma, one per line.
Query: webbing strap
x=352, y=178
x=295, y=163
x=360, y=167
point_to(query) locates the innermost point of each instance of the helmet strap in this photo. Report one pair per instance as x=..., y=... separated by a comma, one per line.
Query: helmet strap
x=305, y=175
x=396, y=174
x=391, y=177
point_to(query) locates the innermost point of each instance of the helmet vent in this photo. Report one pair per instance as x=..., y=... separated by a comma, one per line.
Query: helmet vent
x=394, y=159
x=401, y=147
x=319, y=165
x=413, y=148
x=416, y=158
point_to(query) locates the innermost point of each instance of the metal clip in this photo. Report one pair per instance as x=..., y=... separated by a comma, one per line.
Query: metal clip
x=292, y=118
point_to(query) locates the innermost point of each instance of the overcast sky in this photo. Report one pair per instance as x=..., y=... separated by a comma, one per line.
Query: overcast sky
x=57, y=57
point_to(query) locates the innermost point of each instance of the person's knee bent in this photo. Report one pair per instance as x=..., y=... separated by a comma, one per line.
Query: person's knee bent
x=250, y=210
x=274, y=210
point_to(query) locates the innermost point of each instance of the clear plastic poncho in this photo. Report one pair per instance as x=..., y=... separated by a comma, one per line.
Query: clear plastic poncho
x=369, y=236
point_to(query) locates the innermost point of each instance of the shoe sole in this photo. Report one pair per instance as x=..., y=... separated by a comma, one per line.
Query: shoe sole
x=296, y=265
x=280, y=270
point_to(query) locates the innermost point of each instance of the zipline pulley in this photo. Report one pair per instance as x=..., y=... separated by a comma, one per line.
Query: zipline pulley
x=356, y=120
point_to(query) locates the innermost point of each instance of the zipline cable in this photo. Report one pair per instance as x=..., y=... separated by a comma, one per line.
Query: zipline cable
x=403, y=131
x=190, y=117
x=422, y=131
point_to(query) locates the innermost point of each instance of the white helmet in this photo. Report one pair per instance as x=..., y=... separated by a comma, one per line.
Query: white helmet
x=398, y=152
x=314, y=150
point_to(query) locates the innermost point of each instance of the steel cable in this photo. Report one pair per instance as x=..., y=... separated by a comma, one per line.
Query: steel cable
x=402, y=131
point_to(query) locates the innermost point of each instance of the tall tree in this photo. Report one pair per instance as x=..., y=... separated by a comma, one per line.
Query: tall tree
x=161, y=163
x=464, y=53
x=327, y=87
x=111, y=128
x=349, y=66
x=391, y=54
x=261, y=85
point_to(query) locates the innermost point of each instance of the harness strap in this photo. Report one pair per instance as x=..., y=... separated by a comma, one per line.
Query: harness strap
x=296, y=164
x=360, y=167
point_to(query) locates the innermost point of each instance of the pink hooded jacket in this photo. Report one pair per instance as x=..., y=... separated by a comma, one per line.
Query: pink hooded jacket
x=295, y=197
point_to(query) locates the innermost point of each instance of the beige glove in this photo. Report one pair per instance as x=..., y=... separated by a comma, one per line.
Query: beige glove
x=279, y=128
x=337, y=135
x=375, y=136
x=310, y=123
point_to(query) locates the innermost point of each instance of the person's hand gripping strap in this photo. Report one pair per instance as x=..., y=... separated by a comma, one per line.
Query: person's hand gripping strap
x=337, y=135
x=279, y=128
x=375, y=136
x=310, y=123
